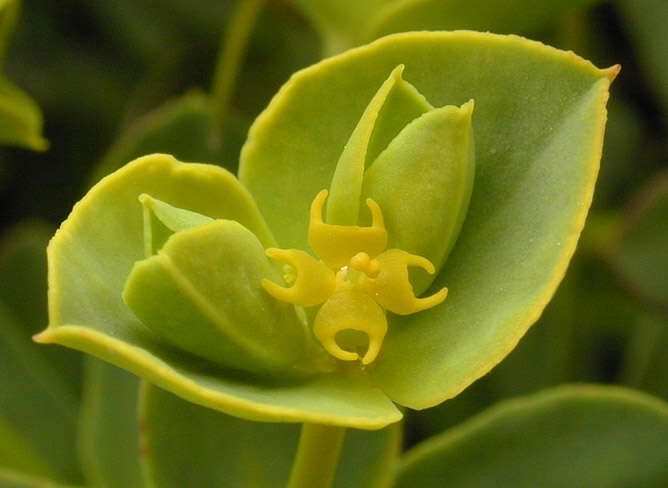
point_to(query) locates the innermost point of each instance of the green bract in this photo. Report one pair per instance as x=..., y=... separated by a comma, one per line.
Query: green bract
x=172, y=290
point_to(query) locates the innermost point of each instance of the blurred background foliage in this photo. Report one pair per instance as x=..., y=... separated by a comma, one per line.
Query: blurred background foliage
x=116, y=80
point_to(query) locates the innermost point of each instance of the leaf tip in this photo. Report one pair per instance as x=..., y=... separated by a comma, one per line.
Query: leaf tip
x=42, y=337
x=612, y=72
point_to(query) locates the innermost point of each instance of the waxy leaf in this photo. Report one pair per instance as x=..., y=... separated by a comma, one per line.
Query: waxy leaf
x=584, y=436
x=344, y=24
x=538, y=127
x=538, y=143
x=426, y=170
x=161, y=220
x=225, y=451
x=91, y=257
x=108, y=429
x=220, y=314
x=40, y=386
x=524, y=17
x=20, y=119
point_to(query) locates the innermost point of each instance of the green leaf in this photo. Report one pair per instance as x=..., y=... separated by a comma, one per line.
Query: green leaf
x=346, y=187
x=221, y=314
x=436, y=148
x=181, y=127
x=584, y=436
x=484, y=15
x=225, y=451
x=38, y=418
x=344, y=24
x=109, y=434
x=91, y=257
x=538, y=129
x=340, y=22
x=20, y=119
x=161, y=220
x=640, y=254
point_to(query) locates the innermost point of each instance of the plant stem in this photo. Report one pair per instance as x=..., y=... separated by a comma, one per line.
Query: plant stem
x=317, y=456
x=232, y=48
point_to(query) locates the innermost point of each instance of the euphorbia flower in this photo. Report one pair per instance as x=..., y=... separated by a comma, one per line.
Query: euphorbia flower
x=185, y=288
x=355, y=278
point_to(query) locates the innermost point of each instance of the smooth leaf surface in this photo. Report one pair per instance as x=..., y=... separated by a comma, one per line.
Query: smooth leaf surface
x=427, y=170
x=40, y=386
x=584, y=436
x=221, y=314
x=538, y=145
x=225, y=451
x=161, y=221
x=90, y=258
x=346, y=187
x=108, y=427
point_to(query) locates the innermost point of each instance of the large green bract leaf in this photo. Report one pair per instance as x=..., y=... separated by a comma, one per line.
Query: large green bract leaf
x=538, y=143
x=538, y=128
x=584, y=436
x=91, y=257
x=225, y=451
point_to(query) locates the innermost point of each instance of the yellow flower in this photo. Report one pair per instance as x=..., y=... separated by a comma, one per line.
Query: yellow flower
x=356, y=281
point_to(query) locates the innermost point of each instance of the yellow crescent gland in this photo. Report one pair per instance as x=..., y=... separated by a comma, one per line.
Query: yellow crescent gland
x=391, y=286
x=337, y=244
x=313, y=284
x=350, y=309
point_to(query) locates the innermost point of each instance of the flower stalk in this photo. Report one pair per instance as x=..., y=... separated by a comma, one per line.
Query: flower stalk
x=317, y=456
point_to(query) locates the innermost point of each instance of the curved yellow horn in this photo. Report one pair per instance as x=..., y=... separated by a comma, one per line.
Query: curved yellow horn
x=337, y=244
x=313, y=284
x=391, y=287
